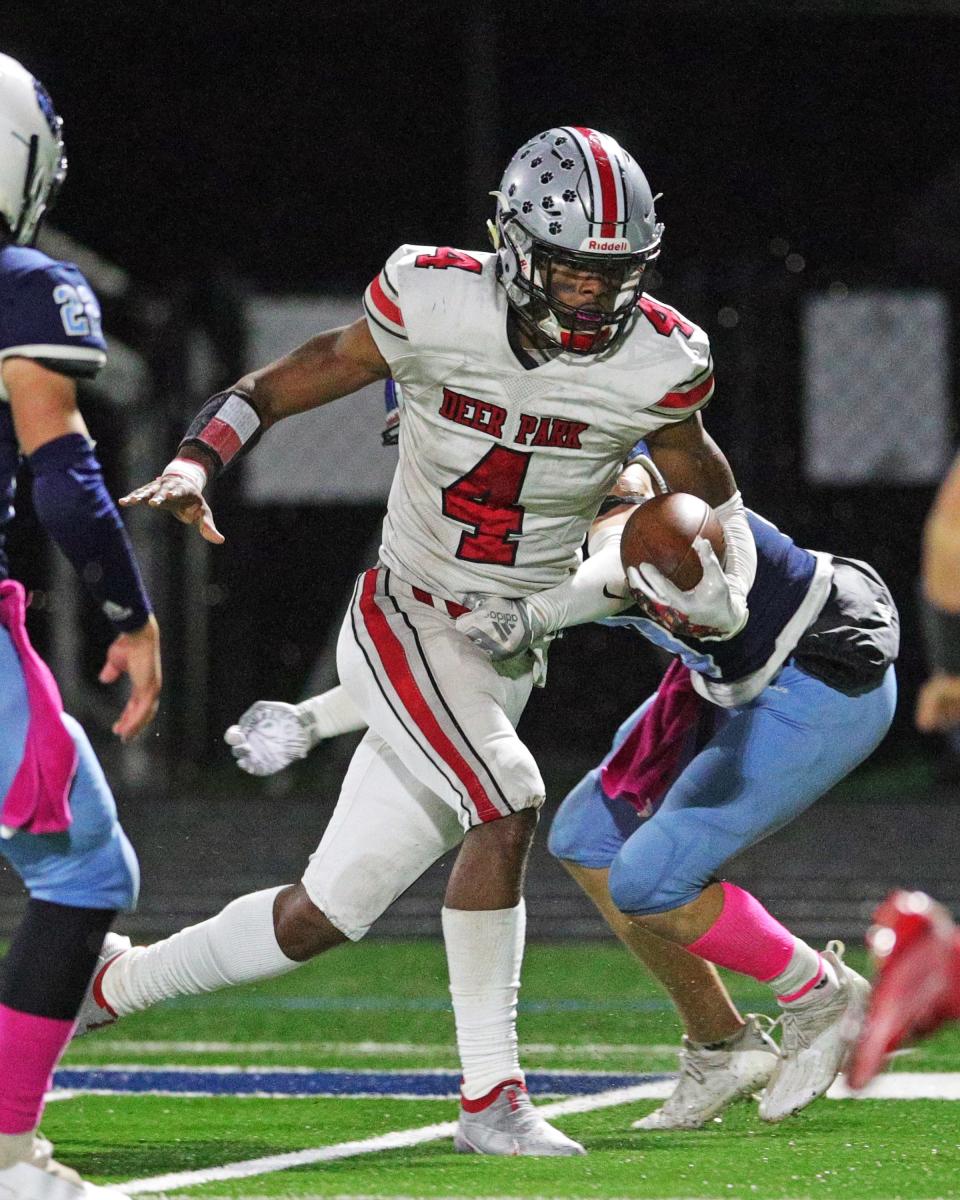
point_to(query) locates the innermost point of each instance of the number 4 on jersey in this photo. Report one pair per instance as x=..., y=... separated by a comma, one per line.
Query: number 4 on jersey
x=486, y=500
x=663, y=318
x=445, y=257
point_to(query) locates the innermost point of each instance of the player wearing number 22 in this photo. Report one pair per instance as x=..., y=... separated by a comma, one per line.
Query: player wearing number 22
x=527, y=375
x=58, y=819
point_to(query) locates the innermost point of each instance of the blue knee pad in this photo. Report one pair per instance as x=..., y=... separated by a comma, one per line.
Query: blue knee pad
x=90, y=865
x=589, y=828
x=661, y=866
x=766, y=763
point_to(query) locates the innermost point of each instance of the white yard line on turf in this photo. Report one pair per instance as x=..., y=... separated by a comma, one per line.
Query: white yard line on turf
x=904, y=1085
x=120, y=1046
x=387, y=1141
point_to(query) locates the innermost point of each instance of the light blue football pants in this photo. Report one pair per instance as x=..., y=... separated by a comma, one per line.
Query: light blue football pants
x=92, y=864
x=765, y=764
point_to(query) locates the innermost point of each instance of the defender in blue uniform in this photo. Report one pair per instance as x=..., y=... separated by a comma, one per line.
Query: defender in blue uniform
x=743, y=734
x=58, y=819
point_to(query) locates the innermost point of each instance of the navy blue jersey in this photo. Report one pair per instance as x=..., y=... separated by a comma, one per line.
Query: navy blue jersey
x=790, y=589
x=48, y=312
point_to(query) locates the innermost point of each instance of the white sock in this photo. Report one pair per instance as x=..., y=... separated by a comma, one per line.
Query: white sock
x=484, y=954
x=16, y=1148
x=238, y=945
x=800, y=983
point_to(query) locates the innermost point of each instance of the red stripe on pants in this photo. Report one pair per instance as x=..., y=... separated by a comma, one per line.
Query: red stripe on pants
x=394, y=660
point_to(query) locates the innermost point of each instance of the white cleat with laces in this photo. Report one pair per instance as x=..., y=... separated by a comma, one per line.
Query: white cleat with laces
x=37, y=1176
x=817, y=1037
x=510, y=1125
x=713, y=1079
x=94, y=1012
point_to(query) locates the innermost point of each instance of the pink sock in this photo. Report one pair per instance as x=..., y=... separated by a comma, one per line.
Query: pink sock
x=745, y=938
x=30, y=1048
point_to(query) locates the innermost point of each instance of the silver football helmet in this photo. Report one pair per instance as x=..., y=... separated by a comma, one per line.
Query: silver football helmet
x=33, y=165
x=574, y=199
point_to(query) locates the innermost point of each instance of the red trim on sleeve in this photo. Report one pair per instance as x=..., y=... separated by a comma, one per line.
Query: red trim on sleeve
x=383, y=304
x=687, y=399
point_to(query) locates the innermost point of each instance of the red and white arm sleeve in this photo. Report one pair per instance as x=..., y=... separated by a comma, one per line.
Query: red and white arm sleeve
x=227, y=426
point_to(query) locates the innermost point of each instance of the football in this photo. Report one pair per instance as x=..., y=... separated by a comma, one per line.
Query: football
x=662, y=532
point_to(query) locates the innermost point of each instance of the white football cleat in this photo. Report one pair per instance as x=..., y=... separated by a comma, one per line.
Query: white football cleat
x=40, y=1177
x=817, y=1038
x=94, y=1012
x=712, y=1080
x=510, y=1125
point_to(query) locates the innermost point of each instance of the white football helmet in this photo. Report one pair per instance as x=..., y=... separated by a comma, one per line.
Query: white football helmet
x=33, y=165
x=574, y=197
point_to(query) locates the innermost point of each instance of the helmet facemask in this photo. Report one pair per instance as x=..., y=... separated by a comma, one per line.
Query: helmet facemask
x=534, y=274
x=573, y=204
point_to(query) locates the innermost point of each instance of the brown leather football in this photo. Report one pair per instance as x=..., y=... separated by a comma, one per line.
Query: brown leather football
x=662, y=532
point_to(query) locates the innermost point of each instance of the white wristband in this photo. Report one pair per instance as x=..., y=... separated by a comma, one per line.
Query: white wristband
x=740, y=559
x=330, y=714
x=187, y=468
x=597, y=589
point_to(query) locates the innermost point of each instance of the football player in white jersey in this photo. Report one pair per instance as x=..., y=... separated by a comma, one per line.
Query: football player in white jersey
x=527, y=375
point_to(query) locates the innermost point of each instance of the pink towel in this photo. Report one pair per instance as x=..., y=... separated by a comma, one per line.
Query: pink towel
x=642, y=767
x=38, y=799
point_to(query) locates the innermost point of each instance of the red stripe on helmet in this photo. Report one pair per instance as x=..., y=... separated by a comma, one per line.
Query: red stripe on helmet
x=394, y=660
x=383, y=304
x=608, y=185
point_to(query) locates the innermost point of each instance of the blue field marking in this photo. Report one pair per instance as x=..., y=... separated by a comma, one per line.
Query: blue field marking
x=303, y=1082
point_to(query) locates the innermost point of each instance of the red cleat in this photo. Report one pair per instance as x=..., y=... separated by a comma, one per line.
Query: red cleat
x=916, y=952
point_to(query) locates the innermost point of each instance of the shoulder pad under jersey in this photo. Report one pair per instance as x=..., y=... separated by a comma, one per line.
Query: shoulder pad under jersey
x=49, y=312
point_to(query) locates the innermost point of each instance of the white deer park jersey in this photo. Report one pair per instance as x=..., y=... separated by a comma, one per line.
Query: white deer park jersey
x=502, y=468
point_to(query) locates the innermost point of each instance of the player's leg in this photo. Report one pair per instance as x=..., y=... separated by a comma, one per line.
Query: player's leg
x=723, y=1057
x=384, y=832
x=586, y=835
x=76, y=881
x=450, y=715
x=766, y=764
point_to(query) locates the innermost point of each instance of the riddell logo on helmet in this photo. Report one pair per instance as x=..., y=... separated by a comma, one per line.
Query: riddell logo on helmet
x=606, y=245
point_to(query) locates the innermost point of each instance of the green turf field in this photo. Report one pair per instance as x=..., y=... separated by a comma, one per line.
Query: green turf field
x=383, y=1006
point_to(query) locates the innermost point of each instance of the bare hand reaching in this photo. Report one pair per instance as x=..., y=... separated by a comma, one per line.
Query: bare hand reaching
x=136, y=654
x=183, y=498
x=938, y=705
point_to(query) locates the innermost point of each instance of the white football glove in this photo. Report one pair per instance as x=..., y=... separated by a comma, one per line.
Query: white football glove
x=269, y=736
x=500, y=627
x=713, y=611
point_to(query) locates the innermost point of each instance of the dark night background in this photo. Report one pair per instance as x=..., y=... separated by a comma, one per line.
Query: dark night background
x=291, y=147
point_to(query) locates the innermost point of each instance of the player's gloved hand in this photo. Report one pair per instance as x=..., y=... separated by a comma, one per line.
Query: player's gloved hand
x=714, y=610
x=270, y=736
x=500, y=627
